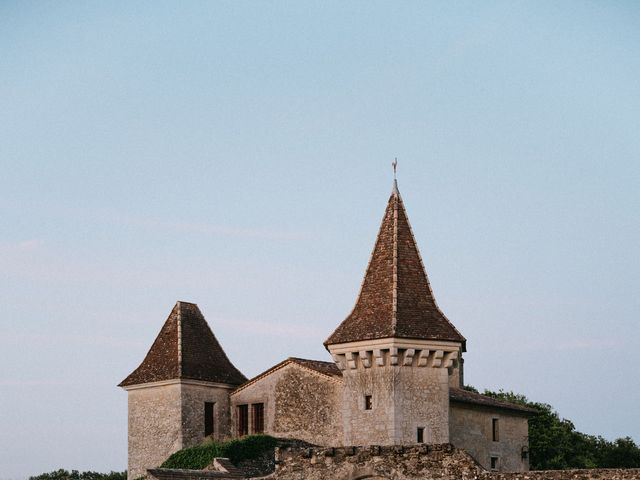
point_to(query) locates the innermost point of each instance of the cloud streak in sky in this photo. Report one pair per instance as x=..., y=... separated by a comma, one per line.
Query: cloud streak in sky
x=209, y=229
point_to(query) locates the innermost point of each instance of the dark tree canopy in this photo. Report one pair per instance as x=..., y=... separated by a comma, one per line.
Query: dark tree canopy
x=555, y=444
x=76, y=475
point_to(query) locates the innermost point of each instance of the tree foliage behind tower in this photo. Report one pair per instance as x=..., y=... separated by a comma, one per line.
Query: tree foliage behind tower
x=555, y=444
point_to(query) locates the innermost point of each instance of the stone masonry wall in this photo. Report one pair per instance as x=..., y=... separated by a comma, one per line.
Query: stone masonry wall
x=403, y=399
x=154, y=413
x=470, y=428
x=456, y=372
x=297, y=403
x=418, y=462
x=422, y=400
x=308, y=407
x=361, y=426
x=193, y=398
x=424, y=462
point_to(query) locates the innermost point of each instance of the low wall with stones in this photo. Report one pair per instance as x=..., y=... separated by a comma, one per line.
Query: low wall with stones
x=422, y=462
x=419, y=462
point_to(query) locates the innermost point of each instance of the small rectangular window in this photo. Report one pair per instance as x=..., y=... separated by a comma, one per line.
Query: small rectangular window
x=368, y=402
x=420, y=434
x=209, y=422
x=494, y=463
x=257, y=414
x=495, y=430
x=242, y=412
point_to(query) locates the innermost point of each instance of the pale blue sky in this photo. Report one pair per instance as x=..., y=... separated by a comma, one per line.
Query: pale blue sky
x=238, y=155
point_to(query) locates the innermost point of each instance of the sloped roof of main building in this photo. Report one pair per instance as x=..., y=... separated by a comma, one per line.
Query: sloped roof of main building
x=185, y=348
x=395, y=299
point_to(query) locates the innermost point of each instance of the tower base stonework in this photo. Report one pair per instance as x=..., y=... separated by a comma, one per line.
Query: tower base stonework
x=154, y=413
x=396, y=391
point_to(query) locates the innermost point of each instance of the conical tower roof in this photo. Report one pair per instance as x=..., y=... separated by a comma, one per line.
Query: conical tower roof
x=185, y=348
x=395, y=299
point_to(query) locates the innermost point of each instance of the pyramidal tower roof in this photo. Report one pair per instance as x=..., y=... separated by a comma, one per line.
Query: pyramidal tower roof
x=395, y=299
x=185, y=348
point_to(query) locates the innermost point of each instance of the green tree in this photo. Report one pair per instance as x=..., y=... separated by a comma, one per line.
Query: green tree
x=62, y=474
x=555, y=444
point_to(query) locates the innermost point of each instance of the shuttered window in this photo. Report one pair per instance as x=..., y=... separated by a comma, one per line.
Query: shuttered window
x=242, y=419
x=257, y=413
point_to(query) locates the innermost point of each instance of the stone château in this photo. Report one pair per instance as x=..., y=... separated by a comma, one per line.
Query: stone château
x=396, y=379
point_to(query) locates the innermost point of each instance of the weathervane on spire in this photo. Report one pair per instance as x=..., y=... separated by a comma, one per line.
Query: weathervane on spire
x=394, y=164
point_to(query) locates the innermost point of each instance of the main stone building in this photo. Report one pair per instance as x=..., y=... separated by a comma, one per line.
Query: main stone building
x=396, y=377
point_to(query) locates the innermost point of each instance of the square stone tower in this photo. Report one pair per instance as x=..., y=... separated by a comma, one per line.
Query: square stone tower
x=180, y=392
x=397, y=351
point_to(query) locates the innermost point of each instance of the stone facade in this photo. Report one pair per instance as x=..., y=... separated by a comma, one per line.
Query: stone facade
x=472, y=428
x=408, y=385
x=174, y=412
x=298, y=403
x=193, y=398
x=154, y=412
x=402, y=399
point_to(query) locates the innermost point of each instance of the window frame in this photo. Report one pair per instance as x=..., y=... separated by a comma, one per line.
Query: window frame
x=242, y=420
x=257, y=418
x=209, y=418
x=495, y=429
x=368, y=402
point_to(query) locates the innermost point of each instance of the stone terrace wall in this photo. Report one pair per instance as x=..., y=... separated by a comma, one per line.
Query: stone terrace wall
x=595, y=474
x=420, y=462
x=424, y=462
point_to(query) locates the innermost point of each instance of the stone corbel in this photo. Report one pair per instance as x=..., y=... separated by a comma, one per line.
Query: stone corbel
x=393, y=355
x=449, y=358
x=436, y=359
x=339, y=361
x=408, y=356
x=351, y=360
x=379, y=354
x=423, y=357
x=365, y=358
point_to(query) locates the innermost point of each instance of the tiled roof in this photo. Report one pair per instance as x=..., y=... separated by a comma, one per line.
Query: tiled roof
x=395, y=299
x=328, y=369
x=185, y=348
x=465, y=396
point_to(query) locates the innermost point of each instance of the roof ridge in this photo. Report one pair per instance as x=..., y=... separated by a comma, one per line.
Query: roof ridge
x=281, y=365
x=394, y=292
x=309, y=360
x=426, y=276
x=468, y=396
x=179, y=322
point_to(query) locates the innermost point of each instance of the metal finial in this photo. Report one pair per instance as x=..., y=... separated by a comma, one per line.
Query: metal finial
x=394, y=164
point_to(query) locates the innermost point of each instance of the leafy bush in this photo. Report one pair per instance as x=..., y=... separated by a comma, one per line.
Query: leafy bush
x=246, y=448
x=62, y=474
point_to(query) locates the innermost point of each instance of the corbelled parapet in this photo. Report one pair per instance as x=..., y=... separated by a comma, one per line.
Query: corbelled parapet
x=396, y=352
